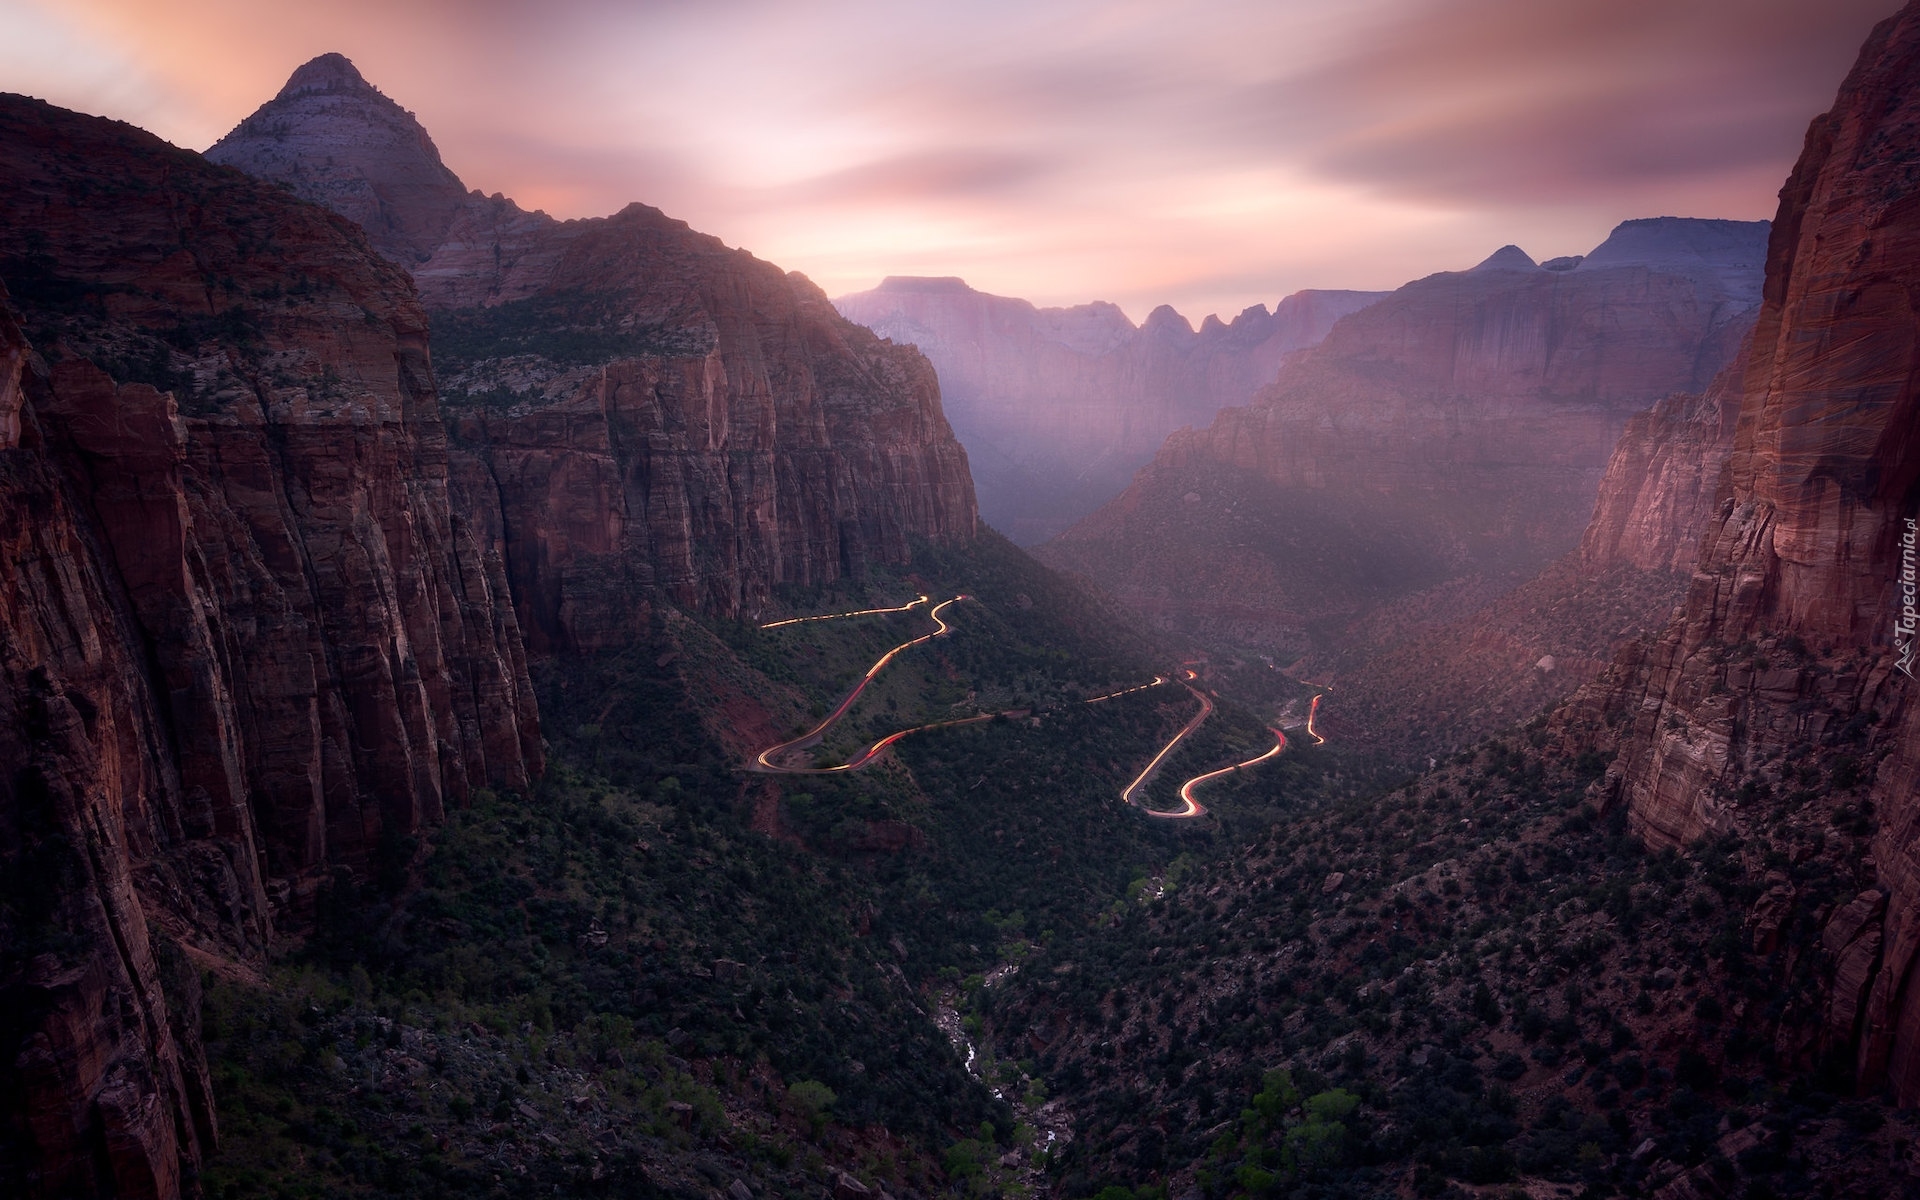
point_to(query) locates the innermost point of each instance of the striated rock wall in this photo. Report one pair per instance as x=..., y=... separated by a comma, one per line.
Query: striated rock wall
x=1058, y=406
x=1784, y=646
x=743, y=438
x=1662, y=480
x=99, y=1097
x=657, y=416
x=244, y=633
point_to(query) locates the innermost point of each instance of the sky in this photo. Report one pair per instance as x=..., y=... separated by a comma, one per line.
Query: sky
x=1211, y=154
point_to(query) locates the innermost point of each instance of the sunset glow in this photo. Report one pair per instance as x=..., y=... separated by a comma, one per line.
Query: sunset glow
x=1208, y=156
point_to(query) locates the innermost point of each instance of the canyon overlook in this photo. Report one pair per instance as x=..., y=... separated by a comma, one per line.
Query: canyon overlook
x=436, y=758
x=1783, y=644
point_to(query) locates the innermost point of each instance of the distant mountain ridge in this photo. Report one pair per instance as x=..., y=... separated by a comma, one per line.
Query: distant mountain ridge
x=1456, y=430
x=1059, y=406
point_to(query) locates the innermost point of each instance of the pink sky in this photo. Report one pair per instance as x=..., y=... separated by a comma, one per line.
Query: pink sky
x=1209, y=155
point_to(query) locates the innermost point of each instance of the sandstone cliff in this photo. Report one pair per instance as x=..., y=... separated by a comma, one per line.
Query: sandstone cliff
x=244, y=634
x=660, y=416
x=1777, y=681
x=1454, y=433
x=1059, y=406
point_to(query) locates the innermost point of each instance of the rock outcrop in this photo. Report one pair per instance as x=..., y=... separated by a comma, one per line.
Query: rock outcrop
x=1059, y=406
x=1457, y=430
x=1781, y=670
x=244, y=634
x=339, y=141
x=661, y=417
x=1661, y=483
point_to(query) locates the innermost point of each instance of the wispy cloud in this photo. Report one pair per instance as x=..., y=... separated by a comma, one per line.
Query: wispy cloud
x=1212, y=154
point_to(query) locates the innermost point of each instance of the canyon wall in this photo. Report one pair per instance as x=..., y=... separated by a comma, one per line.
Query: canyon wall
x=1059, y=406
x=266, y=617
x=1779, y=678
x=1448, y=442
x=662, y=418
x=247, y=638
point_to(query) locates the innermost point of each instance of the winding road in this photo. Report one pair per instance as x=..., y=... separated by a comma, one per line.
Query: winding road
x=865, y=612
x=1190, y=808
x=1130, y=793
x=764, y=760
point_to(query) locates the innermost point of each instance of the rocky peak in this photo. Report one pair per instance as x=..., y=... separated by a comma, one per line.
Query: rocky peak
x=331, y=72
x=949, y=284
x=661, y=415
x=336, y=140
x=1508, y=258
x=1166, y=320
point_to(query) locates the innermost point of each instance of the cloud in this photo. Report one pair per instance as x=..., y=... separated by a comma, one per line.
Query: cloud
x=1213, y=154
x=1524, y=102
x=953, y=175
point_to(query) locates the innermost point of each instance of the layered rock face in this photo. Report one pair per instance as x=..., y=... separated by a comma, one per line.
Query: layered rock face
x=1782, y=664
x=659, y=415
x=1059, y=406
x=1458, y=429
x=1663, y=479
x=245, y=635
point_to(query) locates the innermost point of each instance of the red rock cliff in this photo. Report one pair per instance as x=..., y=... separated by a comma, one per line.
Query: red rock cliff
x=1786, y=644
x=243, y=632
x=660, y=416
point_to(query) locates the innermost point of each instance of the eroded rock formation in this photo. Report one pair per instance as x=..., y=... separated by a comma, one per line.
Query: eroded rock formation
x=1780, y=670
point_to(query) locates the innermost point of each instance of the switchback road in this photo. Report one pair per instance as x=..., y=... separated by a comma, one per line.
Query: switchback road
x=764, y=761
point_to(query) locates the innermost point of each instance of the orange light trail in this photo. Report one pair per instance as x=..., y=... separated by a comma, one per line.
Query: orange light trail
x=865, y=612
x=1193, y=807
x=1157, y=681
x=1127, y=796
x=764, y=760
x=1313, y=733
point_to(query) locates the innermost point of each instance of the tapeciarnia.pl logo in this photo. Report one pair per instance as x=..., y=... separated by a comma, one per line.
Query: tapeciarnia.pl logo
x=1904, y=624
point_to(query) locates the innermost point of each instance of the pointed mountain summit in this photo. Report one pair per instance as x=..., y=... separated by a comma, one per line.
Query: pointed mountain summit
x=739, y=434
x=337, y=140
x=1508, y=258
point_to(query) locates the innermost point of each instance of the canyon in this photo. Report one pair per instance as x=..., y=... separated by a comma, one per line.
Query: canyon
x=1698, y=873
x=1436, y=448
x=271, y=604
x=1059, y=406
x=386, y=622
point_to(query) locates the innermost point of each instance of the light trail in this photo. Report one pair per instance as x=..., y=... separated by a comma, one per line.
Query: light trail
x=1157, y=681
x=764, y=760
x=1311, y=731
x=1193, y=807
x=865, y=612
x=1127, y=796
